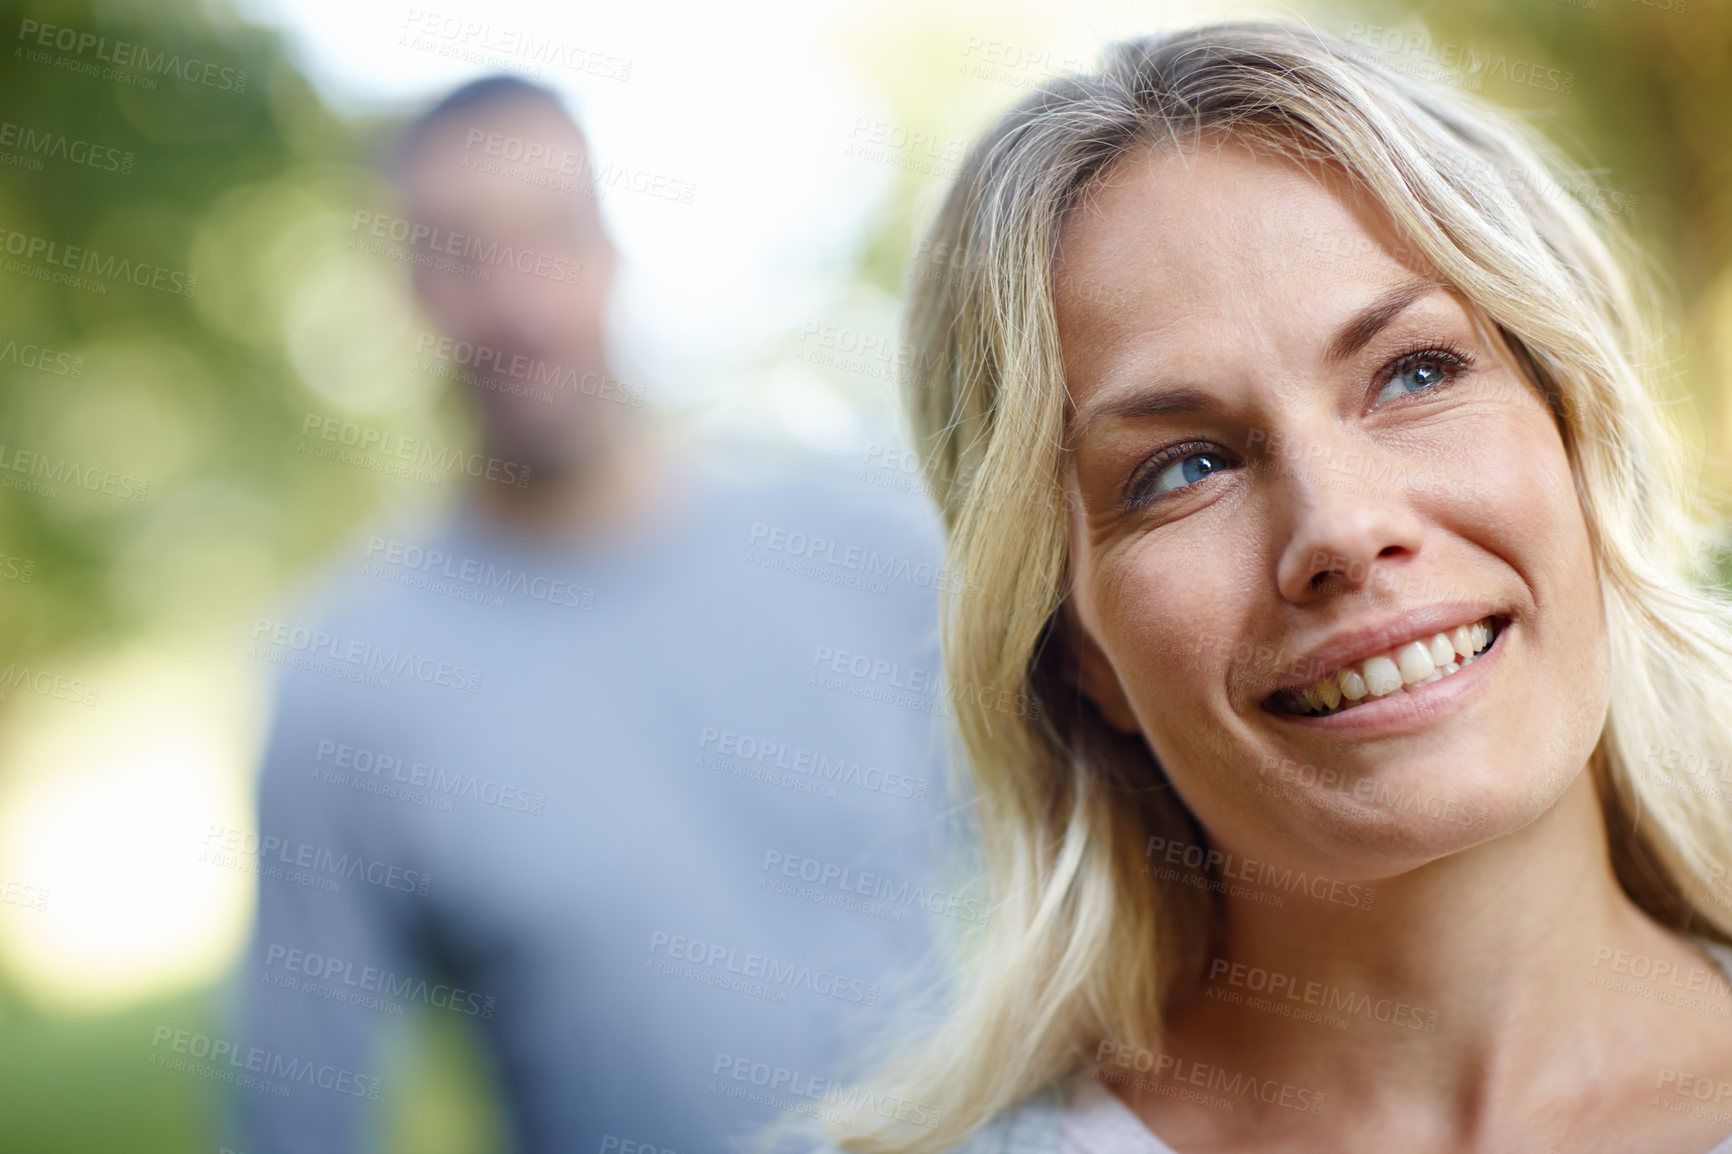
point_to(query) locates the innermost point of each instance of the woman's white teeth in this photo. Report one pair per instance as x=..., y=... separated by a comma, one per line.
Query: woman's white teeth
x=1414, y=664
x=1381, y=676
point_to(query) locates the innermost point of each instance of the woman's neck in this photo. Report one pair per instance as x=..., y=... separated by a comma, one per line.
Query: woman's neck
x=1468, y=1003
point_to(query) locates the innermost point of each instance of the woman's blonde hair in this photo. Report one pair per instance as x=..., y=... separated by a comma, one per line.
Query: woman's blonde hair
x=1083, y=945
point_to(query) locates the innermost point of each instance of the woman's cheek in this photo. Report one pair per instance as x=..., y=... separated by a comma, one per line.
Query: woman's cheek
x=1164, y=633
x=1512, y=495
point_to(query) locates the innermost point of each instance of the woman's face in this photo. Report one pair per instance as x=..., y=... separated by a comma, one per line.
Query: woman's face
x=1292, y=455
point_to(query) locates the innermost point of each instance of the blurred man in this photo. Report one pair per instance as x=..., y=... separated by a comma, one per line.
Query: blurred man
x=631, y=766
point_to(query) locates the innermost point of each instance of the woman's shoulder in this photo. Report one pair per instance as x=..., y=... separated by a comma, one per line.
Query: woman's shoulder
x=1032, y=1126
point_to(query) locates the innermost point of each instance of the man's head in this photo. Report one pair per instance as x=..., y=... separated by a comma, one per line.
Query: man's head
x=516, y=267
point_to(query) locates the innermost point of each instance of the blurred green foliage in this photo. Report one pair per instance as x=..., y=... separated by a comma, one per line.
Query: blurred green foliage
x=78, y=1086
x=168, y=394
x=224, y=189
x=81, y=1085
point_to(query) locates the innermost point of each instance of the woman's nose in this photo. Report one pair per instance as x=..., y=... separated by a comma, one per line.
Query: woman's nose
x=1340, y=528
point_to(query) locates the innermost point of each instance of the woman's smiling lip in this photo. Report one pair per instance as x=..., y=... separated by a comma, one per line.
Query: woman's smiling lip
x=1354, y=646
x=1413, y=707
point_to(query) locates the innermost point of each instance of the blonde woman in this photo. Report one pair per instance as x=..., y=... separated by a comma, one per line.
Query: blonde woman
x=1292, y=421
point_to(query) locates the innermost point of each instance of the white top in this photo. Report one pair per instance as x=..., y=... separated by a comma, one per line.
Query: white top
x=1096, y=1122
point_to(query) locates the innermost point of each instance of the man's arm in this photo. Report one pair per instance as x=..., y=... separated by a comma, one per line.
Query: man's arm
x=313, y=1000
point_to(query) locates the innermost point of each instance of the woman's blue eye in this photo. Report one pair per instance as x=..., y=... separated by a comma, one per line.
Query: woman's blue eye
x=1184, y=472
x=1421, y=374
x=1180, y=466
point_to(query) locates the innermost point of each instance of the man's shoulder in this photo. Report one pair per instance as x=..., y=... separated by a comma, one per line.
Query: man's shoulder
x=832, y=496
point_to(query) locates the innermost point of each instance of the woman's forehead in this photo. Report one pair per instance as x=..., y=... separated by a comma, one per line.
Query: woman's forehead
x=1160, y=220
x=1171, y=252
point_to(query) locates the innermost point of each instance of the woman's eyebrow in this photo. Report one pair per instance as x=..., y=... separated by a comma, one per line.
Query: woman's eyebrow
x=1142, y=405
x=1352, y=336
x=1368, y=322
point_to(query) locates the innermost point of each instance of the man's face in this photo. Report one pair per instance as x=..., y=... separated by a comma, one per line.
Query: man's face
x=518, y=267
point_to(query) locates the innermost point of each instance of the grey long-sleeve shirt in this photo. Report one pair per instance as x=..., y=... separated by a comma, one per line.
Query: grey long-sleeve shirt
x=659, y=822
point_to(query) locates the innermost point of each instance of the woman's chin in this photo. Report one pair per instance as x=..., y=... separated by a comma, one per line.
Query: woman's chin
x=1382, y=828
